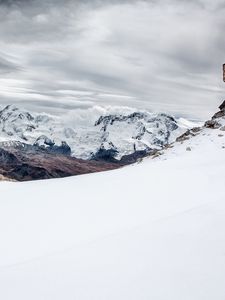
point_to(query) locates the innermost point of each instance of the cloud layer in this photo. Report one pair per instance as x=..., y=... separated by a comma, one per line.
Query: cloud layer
x=158, y=55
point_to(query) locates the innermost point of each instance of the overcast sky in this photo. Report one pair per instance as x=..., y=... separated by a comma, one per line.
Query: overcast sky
x=163, y=55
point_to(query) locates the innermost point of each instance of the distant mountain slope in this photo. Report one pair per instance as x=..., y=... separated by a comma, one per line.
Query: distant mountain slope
x=22, y=162
x=122, y=133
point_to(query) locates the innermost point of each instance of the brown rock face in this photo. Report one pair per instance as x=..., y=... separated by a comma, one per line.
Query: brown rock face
x=213, y=124
x=24, y=164
x=221, y=113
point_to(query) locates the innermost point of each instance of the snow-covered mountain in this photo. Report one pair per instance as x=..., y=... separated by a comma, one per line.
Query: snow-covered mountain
x=121, y=133
x=153, y=230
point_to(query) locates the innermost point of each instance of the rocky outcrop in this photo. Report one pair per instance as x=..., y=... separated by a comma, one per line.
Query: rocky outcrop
x=45, y=143
x=222, y=106
x=217, y=122
x=109, y=155
x=136, y=156
x=106, y=154
x=3, y=178
x=188, y=134
x=213, y=124
x=221, y=112
x=21, y=162
x=7, y=158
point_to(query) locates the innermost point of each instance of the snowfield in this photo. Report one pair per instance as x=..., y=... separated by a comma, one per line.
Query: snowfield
x=154, y=230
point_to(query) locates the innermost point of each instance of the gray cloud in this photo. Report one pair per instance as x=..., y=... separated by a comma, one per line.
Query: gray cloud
x=7, y=66
x=160, y=55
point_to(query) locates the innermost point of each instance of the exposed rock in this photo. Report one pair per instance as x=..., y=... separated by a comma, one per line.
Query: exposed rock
x=23, y=162
x=219, y=114
x=213, y=124
x=184, y=137
x=27, y=172
x=49, y=145
x=64, y=149
x=196, y=129
x=168, y=146
x=222, y=106
x=189, y=133
x=106, y=154
x=109, y=155
x=43, y=140
x=3, y=178
x=7, y=158
x=157, y=154
x=136, y=156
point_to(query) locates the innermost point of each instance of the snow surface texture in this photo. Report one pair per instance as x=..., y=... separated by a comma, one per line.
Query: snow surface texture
x=154, y=230
x=98, y=128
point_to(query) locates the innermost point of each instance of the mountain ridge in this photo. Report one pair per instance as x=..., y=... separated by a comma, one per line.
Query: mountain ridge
x=39, y=147
x=126, y=133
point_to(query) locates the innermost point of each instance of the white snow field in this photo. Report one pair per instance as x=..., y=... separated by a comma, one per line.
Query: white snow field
x=154, y=230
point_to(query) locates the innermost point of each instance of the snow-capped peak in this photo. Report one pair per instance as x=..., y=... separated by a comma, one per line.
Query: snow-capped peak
x=134, y=131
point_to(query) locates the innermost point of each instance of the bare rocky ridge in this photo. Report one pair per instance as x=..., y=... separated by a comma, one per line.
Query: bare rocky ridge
x=214, y=123
x=188, y=134
x=22, y=162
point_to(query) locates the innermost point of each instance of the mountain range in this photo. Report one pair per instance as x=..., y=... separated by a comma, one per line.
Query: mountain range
x=37, y=146
x=124, y=133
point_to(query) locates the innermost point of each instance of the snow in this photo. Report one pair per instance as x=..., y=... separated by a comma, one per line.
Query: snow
x=85, y=134
x=154, y=230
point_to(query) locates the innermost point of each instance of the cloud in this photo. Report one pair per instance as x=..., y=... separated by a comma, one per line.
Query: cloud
x=157, y=55
x=7, y=66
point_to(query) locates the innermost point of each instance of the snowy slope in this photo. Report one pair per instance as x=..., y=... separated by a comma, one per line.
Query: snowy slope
x=154, y=230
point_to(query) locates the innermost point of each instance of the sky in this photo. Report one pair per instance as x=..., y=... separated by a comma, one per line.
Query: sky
x=160, y=55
